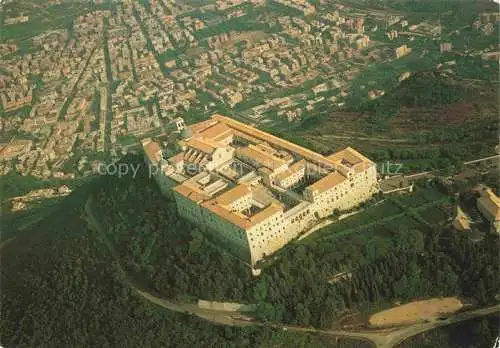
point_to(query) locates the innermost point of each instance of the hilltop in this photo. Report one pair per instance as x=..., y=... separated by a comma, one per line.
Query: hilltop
x=61, y=286
x=76, y=266
x=423, y=89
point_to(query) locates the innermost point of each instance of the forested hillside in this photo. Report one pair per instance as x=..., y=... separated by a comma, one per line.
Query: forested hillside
x=477, y=333
x=61, y=287
x=61, y=284
x=421, y=90
x=402, y=259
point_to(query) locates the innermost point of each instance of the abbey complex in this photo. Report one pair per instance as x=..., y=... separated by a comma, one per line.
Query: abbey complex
x=252, y=191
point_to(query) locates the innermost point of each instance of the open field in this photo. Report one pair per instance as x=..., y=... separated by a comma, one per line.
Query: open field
x=414, y=312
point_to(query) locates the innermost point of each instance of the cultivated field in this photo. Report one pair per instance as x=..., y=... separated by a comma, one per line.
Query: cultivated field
x=416, y=311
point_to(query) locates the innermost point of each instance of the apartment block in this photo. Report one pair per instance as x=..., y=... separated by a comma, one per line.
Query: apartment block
x=254, y=192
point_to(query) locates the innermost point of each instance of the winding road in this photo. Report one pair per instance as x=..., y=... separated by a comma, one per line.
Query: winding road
x=381, y=338
x=384, y=338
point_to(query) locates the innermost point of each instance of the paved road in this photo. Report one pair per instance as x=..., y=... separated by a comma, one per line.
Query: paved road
x=482, y=159
x=380, y=338
x=430, y=173
x=214, y=316
x=387, y=140
x=395, y=338
x=386, y=338
x=5, y=242
x=412, y=33
x=228, y=318
x=69, y=97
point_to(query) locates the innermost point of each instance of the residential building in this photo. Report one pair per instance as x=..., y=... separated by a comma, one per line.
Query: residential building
x=402, y=51
x=445, y=47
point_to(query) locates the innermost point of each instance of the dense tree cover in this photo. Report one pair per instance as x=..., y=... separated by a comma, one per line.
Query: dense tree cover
x=421, y=89
x=62, y=288
x=437, y=148
x=476, y=333
x=414, y=265
x=457, y=144
x=468, y=135
x=161, y=249
x=386, y=263
x=427, y=6
x=492, y=180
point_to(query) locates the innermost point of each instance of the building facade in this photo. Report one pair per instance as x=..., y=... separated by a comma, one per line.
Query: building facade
x=488, y=204
x=254, y=192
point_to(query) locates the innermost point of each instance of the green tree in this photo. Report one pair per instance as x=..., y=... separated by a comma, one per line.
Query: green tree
x=260, y=290
x=303, y=315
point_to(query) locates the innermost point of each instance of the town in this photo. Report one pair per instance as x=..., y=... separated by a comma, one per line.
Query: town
x=90, y=92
